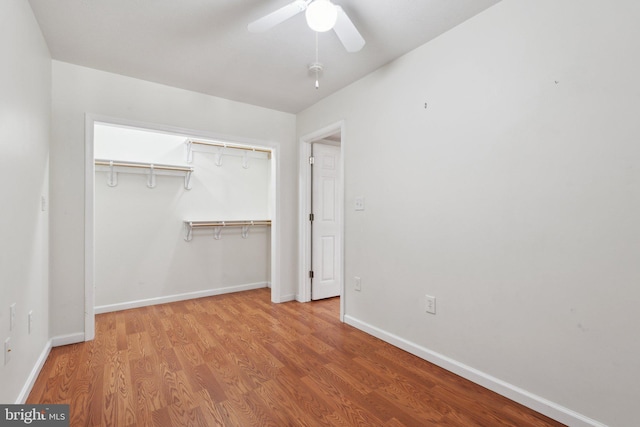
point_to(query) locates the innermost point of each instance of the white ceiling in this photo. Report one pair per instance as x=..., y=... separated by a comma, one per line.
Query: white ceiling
x=204, y=45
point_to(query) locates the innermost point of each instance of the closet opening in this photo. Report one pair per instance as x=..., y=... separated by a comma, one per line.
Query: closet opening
x=173, y=214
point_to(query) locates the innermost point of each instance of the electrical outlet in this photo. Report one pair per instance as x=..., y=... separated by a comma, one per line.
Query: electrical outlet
x=430, y=305
x=12, y=316
x=359, y=203
x=30, y=321
x=7, y=350
x=357, y=283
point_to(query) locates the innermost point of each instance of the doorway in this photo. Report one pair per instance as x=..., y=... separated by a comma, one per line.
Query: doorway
x=321, y=209
x=326, y=236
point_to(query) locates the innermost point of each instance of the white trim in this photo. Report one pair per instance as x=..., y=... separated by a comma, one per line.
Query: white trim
x=304, y=228
x=287, y=298
x=304, y=208
x=89, y=249
x=61, y=340
x=177, y=297
x=276, y=230
x=33, y=375
x=89, y=226
x=304, y=231
x=510, y=391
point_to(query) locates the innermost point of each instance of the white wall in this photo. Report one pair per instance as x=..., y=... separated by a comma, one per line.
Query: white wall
x=514, y=198
x=77, y=91
x=140, y=252
x=25, y=101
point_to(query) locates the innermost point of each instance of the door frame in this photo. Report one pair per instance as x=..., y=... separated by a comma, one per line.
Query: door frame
x=304, y=208
x=89, y=211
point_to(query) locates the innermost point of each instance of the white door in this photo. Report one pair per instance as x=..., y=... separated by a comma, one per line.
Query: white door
x=326, y=204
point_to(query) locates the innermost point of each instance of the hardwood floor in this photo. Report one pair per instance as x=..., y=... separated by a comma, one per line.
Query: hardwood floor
x=239, y=360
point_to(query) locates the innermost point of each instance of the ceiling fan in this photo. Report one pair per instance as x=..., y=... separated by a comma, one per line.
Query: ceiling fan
x=321, y=15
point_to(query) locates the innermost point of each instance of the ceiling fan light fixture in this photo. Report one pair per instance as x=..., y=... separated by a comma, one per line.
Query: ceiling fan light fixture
x=321, y=15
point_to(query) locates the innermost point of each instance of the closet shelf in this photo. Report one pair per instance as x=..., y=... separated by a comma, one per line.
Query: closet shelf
x=218, y=149
x=113, y=167
x=219, y=225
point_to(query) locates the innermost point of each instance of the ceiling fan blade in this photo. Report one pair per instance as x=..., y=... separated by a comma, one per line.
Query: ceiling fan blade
x=274, y=18
x=347, y=32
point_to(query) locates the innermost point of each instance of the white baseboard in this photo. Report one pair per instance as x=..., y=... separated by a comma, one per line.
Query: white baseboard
x=67, y=339
x=287, y=298
x=35, y=371
x=33, y=375
x=177, y=297
x=510, y=391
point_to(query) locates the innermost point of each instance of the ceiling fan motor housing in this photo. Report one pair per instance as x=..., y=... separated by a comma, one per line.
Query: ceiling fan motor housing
x=315, y=69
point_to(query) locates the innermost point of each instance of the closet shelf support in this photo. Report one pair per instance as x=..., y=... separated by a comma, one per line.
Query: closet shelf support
x=112, y=176
x=187, y=179
x=217, y=231
x=151, y=182
x=188, y=231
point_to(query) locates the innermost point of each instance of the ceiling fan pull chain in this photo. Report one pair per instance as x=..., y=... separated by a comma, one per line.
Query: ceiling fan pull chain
x=317, y=82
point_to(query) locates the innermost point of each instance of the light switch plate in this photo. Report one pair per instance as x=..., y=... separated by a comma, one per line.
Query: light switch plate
x=430, y=306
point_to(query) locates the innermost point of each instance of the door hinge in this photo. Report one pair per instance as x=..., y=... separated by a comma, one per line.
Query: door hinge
x=311, y=217
x=311, y=274
x=312, y=160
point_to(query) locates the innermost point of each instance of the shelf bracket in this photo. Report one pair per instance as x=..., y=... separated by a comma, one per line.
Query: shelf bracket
x=245, y=231
x=219, y=154
x=217, y=231
x=187, y=180
x=189, y=151
x=245, y=160
x=188, y=232
x=112, y=176
x=151, y=182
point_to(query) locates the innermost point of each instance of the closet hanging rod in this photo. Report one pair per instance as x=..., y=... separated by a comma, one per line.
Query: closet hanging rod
x=195, y=224
x=143, y=165
x=217, y=226
x=229, y=145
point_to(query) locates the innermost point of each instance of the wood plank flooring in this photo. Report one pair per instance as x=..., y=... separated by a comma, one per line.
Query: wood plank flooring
x=239, y=360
